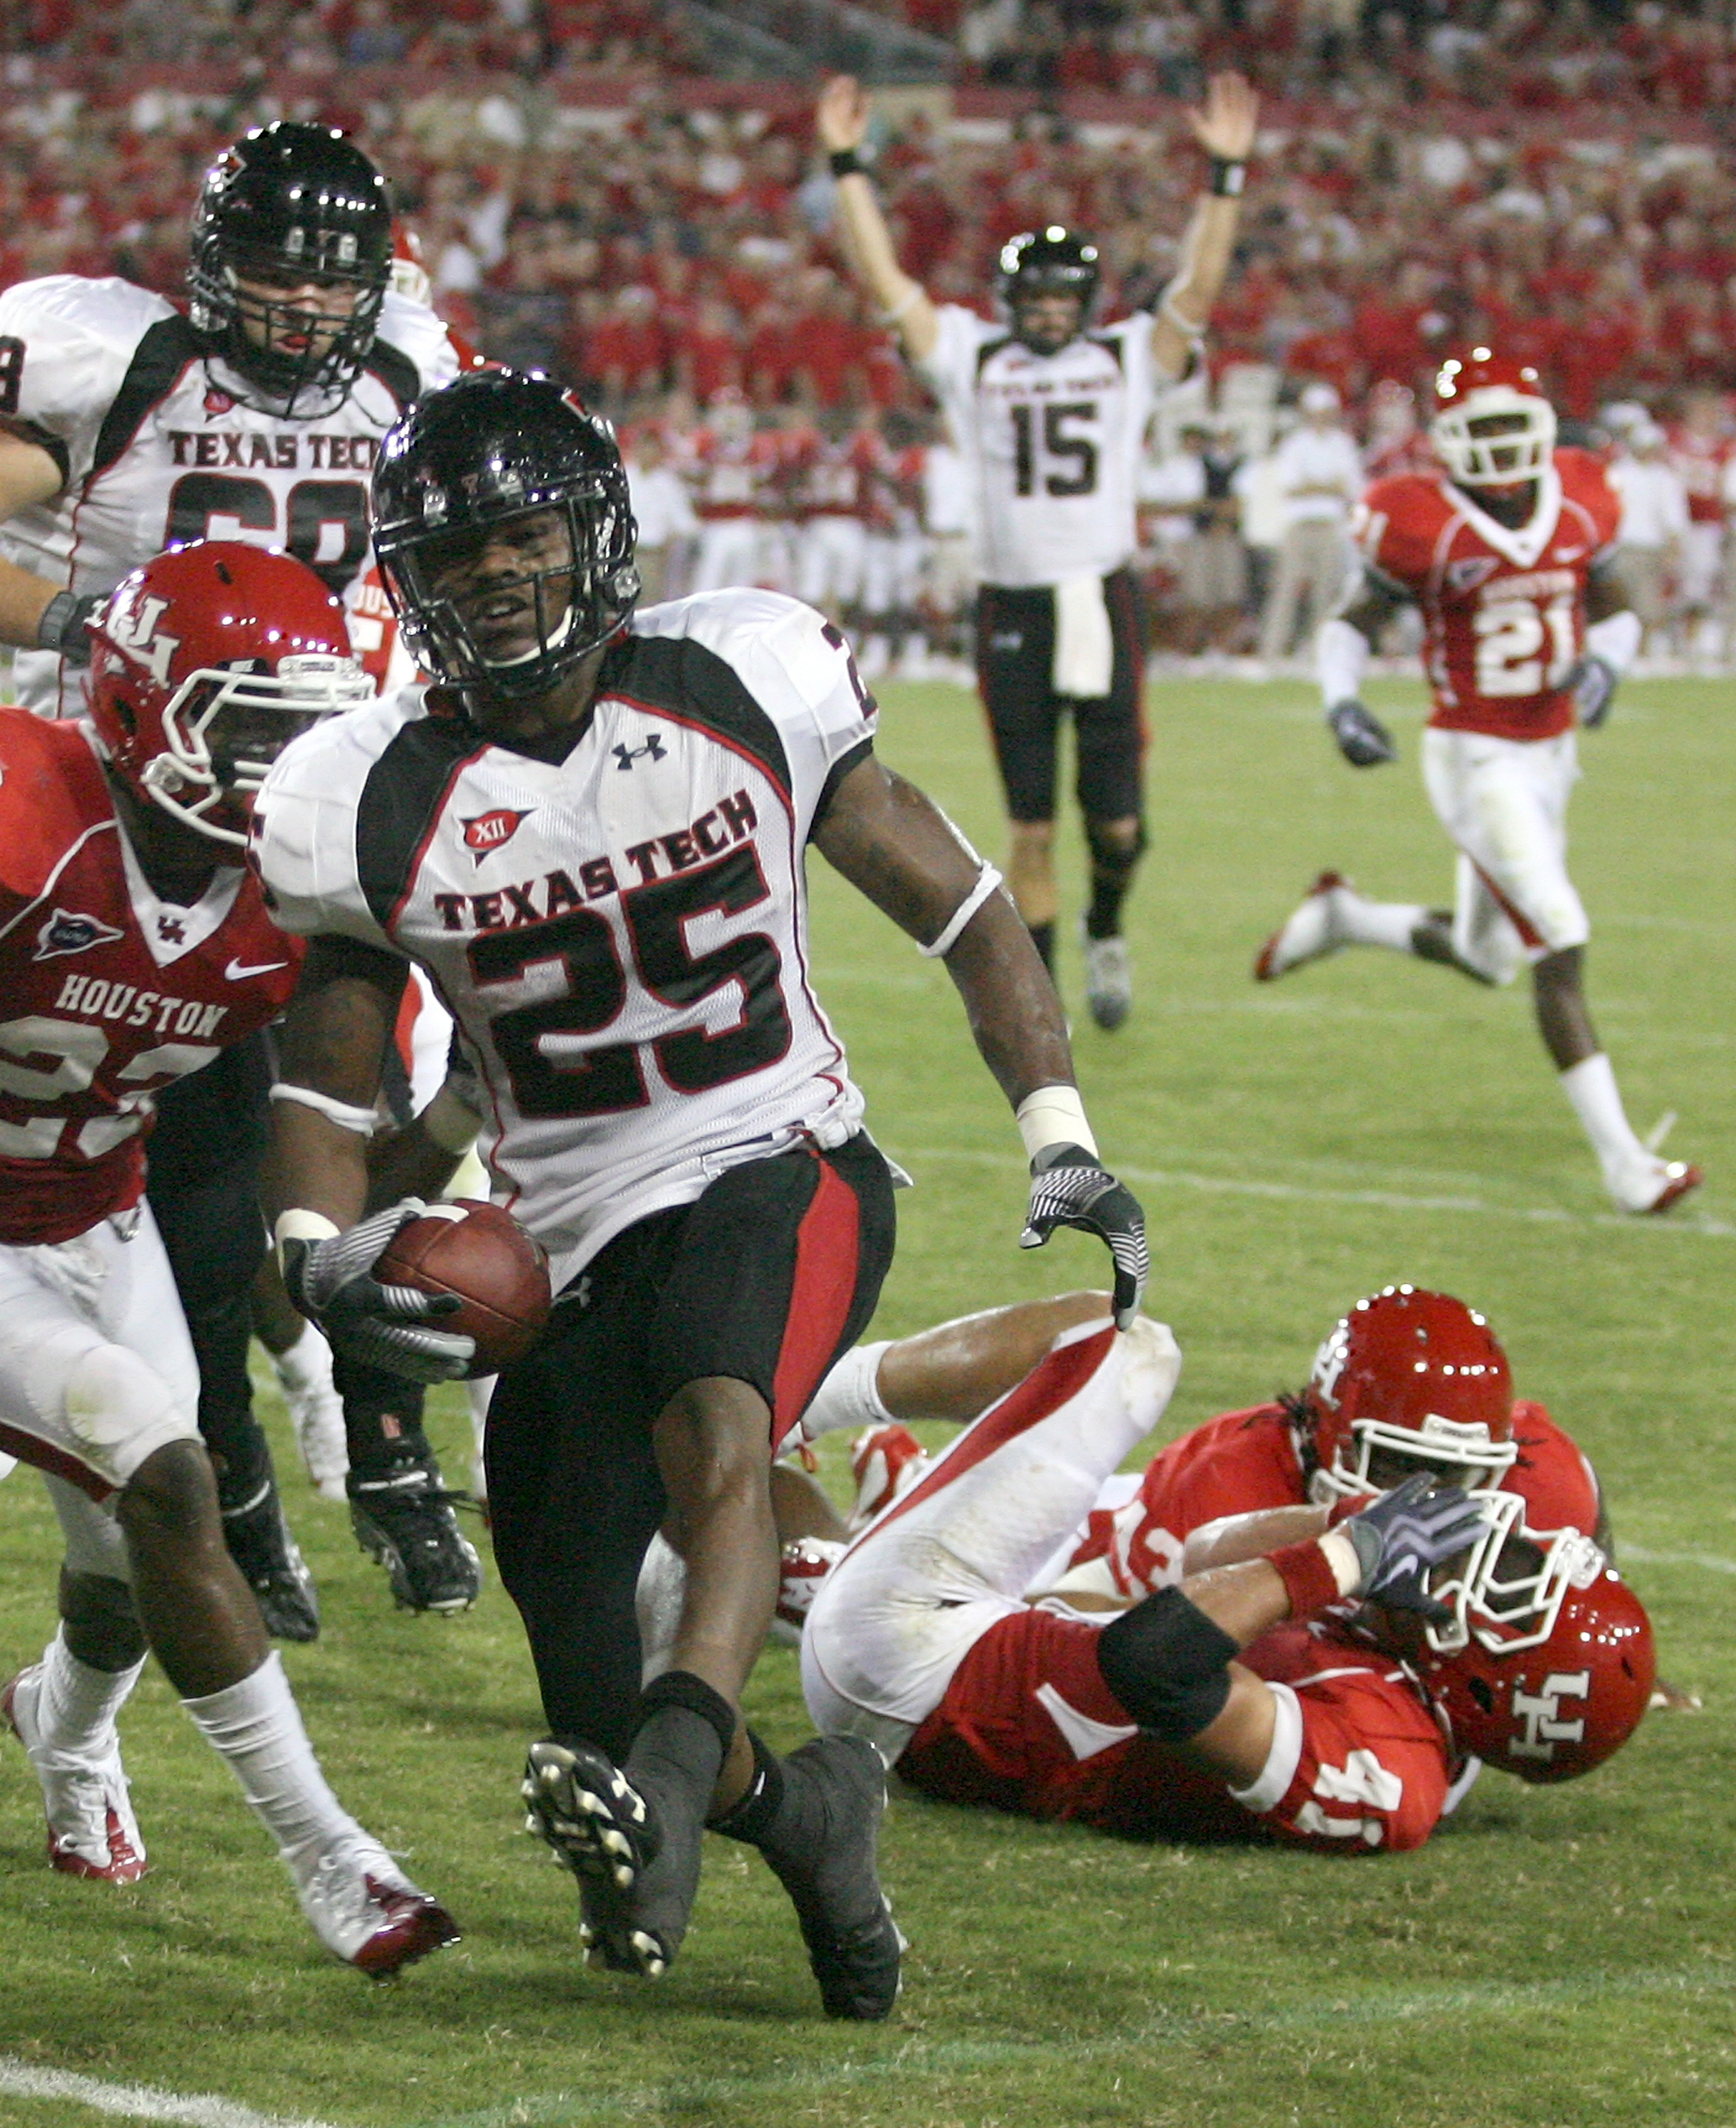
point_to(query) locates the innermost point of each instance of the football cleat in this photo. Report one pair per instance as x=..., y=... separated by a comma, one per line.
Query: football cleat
x=272, y=1564
x=1654, y=1185
x=403, y=1517
x=599, y=1826
x=854, y=1945
x=1309, y=933
x=1108, y=980
x=886, y=1462
x=803, y=1565
x=91, y=1831
x=366, y=1910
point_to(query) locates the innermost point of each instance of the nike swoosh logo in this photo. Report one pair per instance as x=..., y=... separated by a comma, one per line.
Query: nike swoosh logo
x=236, y=972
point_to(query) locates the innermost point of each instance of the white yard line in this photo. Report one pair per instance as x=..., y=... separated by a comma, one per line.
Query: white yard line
x=136, y=2101
x=1709, y=1560
x=1385, y=1200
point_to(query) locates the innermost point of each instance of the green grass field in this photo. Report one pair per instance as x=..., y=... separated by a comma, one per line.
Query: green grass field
x=1556, y=1958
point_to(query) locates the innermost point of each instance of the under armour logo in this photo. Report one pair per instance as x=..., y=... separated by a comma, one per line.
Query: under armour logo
x=625, y=756
x=171, y=930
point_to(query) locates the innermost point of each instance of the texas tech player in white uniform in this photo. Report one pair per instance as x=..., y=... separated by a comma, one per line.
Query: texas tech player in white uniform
x=650, y=964
x=159, y=443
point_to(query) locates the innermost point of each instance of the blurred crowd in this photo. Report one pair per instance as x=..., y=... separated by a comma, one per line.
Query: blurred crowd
x=585, y=207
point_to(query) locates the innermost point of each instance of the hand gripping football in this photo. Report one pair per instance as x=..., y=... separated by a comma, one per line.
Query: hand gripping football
x=482, y=1254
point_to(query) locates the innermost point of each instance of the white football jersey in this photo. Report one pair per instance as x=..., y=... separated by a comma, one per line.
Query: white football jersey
x=1051, y=443
x=158, y=447
x=622, y=938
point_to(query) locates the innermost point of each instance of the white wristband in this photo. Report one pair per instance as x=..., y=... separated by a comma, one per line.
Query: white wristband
x=986, y=880
x=1615, y=639
x=1053, y=1115
x=1342, y=1556
x=298, y=1224
x=343, y=1113
x=1341, y=656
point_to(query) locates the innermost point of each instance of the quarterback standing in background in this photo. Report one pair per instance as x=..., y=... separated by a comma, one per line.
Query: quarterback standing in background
x=591, y=830
x=1508, y=553
x=135, y=947
x=126, y=426
x=1050, y=412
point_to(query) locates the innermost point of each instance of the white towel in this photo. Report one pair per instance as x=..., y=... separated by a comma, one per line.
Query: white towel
x=1084, y=648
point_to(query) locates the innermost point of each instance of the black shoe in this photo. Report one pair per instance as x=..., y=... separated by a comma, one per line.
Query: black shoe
x=271, y=1566
x=854, y=1945
x=602, y=1829
x=402, y=1516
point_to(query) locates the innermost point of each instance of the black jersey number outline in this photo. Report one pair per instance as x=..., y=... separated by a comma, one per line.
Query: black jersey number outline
x=311, y=507
x=610, y=1079
x=1057, y=444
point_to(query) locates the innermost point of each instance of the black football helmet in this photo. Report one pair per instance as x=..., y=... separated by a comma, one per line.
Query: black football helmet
x=491, y=446
x=295, y=203
x=1047, y=262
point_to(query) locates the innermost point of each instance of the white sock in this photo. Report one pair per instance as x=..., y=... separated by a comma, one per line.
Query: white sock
x=76, y=1705
x=257, y=1727
x=1590, y=1086
x=306, y=1365
x=1388, y=924
x=849, y=1396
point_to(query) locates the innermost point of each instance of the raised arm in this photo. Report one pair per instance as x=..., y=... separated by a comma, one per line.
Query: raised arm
x=841, y=120
x=1225, y=128
x=900, y=850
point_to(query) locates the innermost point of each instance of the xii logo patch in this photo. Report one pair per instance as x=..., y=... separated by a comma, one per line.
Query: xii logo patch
x=485, y=833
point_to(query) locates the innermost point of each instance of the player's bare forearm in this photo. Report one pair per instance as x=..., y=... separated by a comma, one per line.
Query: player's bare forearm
x=332, y=1043
x=409, y=1163
x=893, y=844
x=28, y=474
x=1233, y=1538
x=841, y=122
x=1225, y=126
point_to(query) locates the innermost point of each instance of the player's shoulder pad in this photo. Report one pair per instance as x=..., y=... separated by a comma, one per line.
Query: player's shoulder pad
x=781, y=648
x=75, y=304
x=1397, y=521
x=303, y=840
x=1585, y=479
x=51, y=791
x=418, y=334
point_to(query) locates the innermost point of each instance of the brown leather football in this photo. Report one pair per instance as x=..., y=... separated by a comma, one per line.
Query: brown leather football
x=482, y=1254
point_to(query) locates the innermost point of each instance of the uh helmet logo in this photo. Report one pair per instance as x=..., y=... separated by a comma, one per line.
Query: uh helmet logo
x=135, y=630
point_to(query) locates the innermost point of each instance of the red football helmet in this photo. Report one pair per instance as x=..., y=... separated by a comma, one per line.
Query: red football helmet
x=204, y=664
x=1413, y=1375
x=1493, y=426
x=1547, y=1664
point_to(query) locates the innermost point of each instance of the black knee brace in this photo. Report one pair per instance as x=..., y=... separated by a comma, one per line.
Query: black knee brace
x=1168, y=1664
x=1116, y=858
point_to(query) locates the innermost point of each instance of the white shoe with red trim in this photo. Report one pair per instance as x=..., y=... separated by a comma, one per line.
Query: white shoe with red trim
x=91, y=1831
x=1309, y=932
x=885, y=1461
x=366, y=1910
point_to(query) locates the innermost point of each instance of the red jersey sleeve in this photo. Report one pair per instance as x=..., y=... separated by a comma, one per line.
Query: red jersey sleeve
x=1552, y=1473
x=1584, y=482
x=1396, y=527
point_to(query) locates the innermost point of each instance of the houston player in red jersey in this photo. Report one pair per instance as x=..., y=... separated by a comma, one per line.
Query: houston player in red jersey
x=1249, y=1703
x=1506, y=551
x=135, y=947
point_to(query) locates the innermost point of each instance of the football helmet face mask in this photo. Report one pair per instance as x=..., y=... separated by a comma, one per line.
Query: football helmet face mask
x=204, y=664
x=1048, y=262
x=1547, y=1664
x=503, y=532
x=1408, y=1381
x=1492, y=427
x=291, y=207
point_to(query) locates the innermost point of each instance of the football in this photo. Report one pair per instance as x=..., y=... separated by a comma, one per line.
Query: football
x=480, y=1254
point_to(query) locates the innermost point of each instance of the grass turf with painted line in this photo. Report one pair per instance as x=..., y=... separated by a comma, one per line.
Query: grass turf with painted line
x=1556, y=1957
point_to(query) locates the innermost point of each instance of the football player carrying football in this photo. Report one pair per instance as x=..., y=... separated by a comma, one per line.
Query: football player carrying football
x=134, y=947
x=1050, y=411
x=957, y=1636
x=1507, y=551
x=590, y=832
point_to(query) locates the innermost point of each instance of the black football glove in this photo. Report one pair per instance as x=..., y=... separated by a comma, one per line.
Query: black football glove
x=1363, y=740
x=1591, y=683
x=1071, y=1187
x=62, y=628
x=380, y=1326
x=1403, y=1536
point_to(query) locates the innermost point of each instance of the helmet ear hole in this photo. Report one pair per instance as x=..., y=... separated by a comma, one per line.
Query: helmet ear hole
x=1478, y=1689
x=126, y=716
